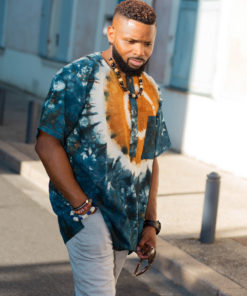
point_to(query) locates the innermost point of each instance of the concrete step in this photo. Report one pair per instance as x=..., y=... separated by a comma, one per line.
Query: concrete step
x=22, y=164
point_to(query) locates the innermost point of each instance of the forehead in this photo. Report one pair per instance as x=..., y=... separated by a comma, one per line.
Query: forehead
x=128, y=28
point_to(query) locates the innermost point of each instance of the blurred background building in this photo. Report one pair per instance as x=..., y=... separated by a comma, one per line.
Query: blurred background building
x=200, y=62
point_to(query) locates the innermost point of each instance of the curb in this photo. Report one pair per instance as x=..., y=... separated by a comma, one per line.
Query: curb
x=182, y=269
x=171, y=262
x=18, y=162
x=194, y=276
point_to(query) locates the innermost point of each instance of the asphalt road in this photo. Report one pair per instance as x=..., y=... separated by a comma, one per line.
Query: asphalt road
x=33, y=258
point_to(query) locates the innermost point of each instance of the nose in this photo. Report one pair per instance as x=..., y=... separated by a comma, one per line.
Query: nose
x=139, y=49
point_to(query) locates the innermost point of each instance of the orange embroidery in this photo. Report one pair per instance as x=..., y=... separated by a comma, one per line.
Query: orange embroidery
x=118, y=112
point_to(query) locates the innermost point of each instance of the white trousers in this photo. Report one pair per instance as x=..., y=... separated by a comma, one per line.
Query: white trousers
x=95, y=265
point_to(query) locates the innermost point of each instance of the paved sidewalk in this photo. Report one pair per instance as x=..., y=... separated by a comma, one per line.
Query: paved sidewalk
x=216, y=269
x=33, y=258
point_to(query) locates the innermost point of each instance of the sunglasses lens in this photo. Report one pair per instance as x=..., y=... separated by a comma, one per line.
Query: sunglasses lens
x=150, y=261
x=139, y=270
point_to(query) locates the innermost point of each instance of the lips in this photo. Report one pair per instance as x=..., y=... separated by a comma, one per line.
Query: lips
x=136, y=62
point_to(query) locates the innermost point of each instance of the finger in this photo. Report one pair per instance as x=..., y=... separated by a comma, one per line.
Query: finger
x=141, y=243
x=144, y=244
x=143, y=252
x=139, y=251
x=141, y=256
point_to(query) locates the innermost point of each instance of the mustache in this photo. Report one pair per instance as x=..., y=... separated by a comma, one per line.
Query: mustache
x=137, y=58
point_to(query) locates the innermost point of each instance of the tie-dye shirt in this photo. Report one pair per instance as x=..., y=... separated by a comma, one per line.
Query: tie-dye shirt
x=110, y=140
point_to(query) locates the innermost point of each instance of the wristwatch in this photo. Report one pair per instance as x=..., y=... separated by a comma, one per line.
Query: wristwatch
x=154, y=224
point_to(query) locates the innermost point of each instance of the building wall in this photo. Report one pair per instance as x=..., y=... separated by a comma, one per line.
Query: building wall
x=208, y=125
x=211, y=127
x=26, y=71
x=85, y=28
x=211, y=131
x=22, y=25
x=159, y=61
x=233, y=78
x=20, y=63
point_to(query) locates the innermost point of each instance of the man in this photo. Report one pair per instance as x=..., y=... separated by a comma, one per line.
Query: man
x=100, y=134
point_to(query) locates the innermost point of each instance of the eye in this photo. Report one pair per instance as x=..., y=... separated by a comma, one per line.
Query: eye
x=147, y=44
x=131, y=41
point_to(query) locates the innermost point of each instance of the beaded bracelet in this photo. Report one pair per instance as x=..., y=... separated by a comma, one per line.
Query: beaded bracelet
x=81, y=206
x=84, y=208
x=82, y=217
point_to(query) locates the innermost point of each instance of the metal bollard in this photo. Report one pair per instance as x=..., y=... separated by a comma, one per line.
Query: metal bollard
x=210, y=208
x=2, y=104
x=32, y=120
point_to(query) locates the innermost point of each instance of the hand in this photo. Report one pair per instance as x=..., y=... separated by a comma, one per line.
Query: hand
x=147, y=242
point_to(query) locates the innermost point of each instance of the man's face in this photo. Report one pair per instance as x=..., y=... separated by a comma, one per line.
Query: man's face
x=133, y=40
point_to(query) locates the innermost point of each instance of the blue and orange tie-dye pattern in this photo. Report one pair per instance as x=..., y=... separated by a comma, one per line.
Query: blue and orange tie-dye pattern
x=110, y=141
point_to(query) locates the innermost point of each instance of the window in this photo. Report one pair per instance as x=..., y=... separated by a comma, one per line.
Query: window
x=194, y=58
x=55, y=29
x=184, y=44
x=54, y=33
x=3, y=9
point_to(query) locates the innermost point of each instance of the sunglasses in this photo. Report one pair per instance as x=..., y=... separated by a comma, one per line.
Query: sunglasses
x=143, y=266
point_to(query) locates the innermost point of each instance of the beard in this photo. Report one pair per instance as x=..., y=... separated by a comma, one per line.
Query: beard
x=124, y=67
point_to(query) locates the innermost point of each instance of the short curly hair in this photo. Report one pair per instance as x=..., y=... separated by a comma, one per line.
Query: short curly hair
x=136, y=10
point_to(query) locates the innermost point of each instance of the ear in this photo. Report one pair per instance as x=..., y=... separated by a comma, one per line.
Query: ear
x=111, y=34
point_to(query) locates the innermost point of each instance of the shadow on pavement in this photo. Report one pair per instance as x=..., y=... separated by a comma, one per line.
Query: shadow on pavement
x=52, y=279
x=48, y=279
x=129, y=285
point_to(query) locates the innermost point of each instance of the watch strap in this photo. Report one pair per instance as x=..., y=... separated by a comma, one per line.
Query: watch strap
x=154, y=224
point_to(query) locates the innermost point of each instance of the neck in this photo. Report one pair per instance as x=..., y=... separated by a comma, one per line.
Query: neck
x=106, y=55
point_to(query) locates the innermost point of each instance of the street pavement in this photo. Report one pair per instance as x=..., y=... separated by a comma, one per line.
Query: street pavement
x=30, y=234
x=33, y=258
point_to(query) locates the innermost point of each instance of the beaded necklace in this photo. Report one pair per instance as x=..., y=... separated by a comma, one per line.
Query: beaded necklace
x=118, y=73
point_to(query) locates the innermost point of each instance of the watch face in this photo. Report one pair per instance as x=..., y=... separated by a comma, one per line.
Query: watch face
x=158, y=225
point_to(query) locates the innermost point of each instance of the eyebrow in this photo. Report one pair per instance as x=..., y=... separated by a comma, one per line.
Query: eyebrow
x=135, y=40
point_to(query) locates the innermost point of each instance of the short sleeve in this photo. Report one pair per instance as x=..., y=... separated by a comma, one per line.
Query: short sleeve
x=52, y=119
x=162, y=141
